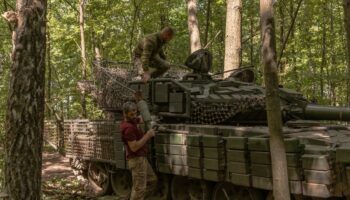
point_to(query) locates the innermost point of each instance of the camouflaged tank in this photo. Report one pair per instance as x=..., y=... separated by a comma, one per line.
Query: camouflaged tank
x=222, y=147
x=198, y=98
x=214, y=143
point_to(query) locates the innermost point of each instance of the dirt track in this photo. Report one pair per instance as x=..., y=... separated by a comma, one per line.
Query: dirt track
x=59, y=181
x=56, y=166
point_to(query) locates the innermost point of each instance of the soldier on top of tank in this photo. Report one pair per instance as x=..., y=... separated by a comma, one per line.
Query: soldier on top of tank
x=144, y=179
x=149, y=58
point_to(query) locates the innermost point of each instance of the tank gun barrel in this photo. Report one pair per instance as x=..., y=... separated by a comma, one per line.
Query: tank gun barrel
x=320, y=112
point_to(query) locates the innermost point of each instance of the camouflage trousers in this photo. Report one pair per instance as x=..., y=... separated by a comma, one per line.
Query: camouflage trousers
x=157, y=69
x=144, y=180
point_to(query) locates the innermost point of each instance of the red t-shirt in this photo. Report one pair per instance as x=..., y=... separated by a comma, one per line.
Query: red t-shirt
x=131, y=132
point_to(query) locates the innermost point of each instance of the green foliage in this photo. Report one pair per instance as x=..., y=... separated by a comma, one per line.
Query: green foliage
x=315, y=57
x=5, y=50
x=314, y=60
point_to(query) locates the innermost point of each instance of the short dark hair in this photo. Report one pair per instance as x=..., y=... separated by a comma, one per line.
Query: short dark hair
x=168, y=30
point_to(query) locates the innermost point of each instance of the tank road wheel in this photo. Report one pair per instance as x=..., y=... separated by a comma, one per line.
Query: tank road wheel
x=199, y=190
x=163, y=188
x=228, y=191
x=98, y=179
x=179, y=188
x=121, y=183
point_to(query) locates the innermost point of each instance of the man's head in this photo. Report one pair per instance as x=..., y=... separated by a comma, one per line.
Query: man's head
x=130, y=111
x=167, y=34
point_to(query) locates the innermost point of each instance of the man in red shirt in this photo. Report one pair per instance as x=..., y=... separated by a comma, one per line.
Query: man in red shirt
x=135, y=142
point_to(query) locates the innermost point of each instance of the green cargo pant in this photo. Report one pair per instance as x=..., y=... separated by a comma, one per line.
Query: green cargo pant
x=158, y=66
x=144, y=180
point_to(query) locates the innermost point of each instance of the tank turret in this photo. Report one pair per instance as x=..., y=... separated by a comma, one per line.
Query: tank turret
x=200, y=99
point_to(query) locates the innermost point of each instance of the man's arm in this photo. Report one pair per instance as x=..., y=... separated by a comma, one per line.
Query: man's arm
x=137, y=144
x=162, y=54
x=146, y=54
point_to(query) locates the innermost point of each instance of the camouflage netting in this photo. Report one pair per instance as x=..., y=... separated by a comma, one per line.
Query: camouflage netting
x=218, y=112
x=110, y=78
x=111, y=83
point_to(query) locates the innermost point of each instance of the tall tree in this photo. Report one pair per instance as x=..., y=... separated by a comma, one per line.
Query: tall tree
x=251, y=40
x=333, y=60
x=25, y=103
x=49, y=72
x=207, y=22
x=346, y=6
x=233, y=40
x=324, y=49
x=83, y=54
x=136, y=14
x=273, y=107
x=193, y=27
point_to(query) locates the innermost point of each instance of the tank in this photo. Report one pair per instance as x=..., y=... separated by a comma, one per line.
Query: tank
x=214, y=141
x=199, y=98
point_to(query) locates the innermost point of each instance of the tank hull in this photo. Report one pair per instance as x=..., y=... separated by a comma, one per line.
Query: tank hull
x=237, y=155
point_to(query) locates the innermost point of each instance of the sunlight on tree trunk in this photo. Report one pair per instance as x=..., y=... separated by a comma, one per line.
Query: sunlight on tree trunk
x=274, y=117
x=233, y=38
x=25, y=103
x=193, y=27
x=83, y=55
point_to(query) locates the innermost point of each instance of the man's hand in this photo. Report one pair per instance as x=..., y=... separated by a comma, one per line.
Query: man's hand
x=137, y=144
x=151, y=133
x=146, y=76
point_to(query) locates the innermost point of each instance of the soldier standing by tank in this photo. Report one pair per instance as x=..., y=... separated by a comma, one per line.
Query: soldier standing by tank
x=135, y=141
x=149, y=57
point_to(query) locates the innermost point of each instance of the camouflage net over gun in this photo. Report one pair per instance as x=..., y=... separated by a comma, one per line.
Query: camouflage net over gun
x=109, y=82
x=108, y=88
x=110, y=78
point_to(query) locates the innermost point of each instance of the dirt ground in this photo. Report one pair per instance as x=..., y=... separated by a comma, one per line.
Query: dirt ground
x=59, y=181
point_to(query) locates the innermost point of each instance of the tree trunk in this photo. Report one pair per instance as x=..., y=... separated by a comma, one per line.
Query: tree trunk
x=324, y=50
x=193, y=27
x=49, y=72
x=333, y=65
x=83, y=54
x=282, y=37
x=233, y=40
x=251, y=46
x=346, y=5
x=207, y=22
x=25, y=103
x=98, y=56
x=293, y=56
x=135, y=18
x=274, y=118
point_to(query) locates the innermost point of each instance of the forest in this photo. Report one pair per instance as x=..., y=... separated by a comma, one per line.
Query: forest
x=311, y=45
x=314, y=60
